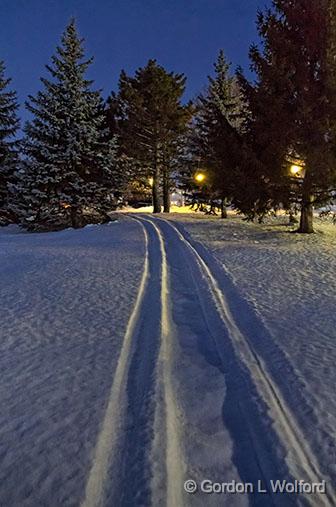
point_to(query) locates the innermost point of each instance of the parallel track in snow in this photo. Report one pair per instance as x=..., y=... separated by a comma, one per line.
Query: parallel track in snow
x=301, y=459
x=108, y=454
x=109, y=433
x=173, y=459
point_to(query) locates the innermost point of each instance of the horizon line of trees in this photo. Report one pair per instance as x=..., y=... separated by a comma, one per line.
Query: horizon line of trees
x=262, y=145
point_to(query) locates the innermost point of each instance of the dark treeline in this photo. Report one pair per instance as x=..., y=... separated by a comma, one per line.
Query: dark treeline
x=258, y=146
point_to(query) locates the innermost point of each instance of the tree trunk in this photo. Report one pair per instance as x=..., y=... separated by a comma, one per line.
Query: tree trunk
x=306, y=219
x=156, y=183
x=166, y=202
x=75, y=218
x=223, y=208
x=166, y=192
x=156, y=193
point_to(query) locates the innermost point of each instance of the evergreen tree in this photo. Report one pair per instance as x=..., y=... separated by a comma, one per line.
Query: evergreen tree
x=70, y=161
x=293, y=105
x=150, y=120
x=9, y=124
x=216, y=131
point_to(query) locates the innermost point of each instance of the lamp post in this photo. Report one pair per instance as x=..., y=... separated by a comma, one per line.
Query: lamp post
x=297, y=172
x=199, y=178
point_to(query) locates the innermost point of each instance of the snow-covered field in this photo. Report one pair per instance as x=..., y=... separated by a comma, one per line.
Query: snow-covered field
x=289, y=281
x=141, y=354
x=65, y=299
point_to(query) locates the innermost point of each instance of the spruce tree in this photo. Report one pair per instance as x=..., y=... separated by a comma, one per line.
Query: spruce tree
x=292, y=104
x=150, y=121
x=216, y=136
x=70, y=164
x=9, y=125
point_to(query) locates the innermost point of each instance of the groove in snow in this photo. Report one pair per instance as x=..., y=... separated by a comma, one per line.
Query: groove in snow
x=108, y=436
x=174, y=465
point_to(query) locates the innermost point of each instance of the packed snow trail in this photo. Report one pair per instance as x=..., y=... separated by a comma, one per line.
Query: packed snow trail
x=141, y=414
x=174, y=464
x=259, y=439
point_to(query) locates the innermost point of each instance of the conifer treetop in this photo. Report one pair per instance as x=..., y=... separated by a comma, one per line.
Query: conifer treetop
x=70, y=158
x=9, y=122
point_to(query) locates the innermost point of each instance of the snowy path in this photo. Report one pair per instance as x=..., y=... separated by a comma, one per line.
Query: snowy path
x=141, y=397
x=191, y=397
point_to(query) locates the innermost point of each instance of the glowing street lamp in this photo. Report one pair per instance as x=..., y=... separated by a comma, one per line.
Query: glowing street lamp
x=200, y=177
x=295, y=169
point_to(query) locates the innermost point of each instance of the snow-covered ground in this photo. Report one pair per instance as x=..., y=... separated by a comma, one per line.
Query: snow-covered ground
x=65, y=299
x=289, y=281
x=139, y=355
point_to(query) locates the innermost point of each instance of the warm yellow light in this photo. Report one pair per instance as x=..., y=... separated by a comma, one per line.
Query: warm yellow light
x=200, y=177
x=151, y=181
x=295, y=169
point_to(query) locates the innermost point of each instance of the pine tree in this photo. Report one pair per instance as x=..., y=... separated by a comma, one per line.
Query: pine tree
x=215, y=139
x=9, y=125
x=150, y=120
x=293, y=104
x=70, y=161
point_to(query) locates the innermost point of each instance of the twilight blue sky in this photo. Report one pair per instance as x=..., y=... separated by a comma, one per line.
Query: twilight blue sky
x=183, y=35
